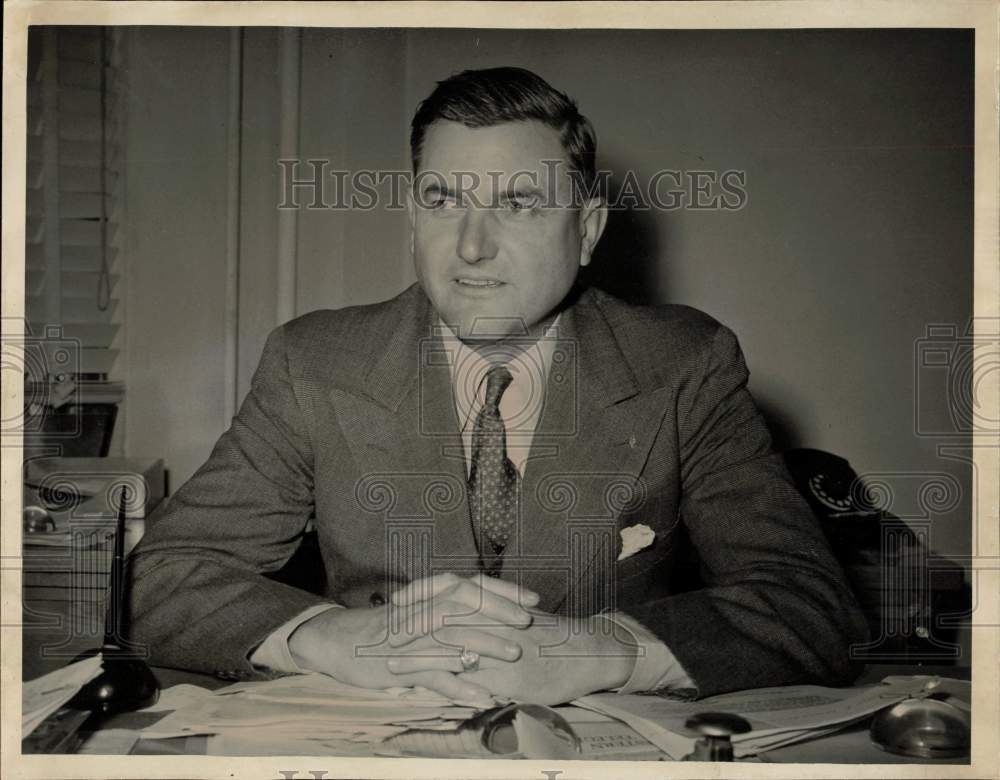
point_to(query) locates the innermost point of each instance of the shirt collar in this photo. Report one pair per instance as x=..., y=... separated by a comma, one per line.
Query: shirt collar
x=528, y=363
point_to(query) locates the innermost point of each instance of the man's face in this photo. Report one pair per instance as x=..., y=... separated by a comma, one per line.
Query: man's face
x=496, y=238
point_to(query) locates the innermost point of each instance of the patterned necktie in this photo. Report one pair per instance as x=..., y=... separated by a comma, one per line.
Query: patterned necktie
x=492, y=477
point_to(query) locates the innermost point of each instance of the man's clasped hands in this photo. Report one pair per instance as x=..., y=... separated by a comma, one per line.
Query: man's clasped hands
x=420, y=636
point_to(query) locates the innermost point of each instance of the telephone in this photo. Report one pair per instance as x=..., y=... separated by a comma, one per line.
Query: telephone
x=893, y=580
x=824, y=479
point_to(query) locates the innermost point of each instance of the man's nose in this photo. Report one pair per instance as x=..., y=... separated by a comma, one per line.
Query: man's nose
x=476, y=241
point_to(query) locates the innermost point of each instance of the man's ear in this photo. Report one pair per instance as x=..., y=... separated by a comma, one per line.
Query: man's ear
x=593, y=218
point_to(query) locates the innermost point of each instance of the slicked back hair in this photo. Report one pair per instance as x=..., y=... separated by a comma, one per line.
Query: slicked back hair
x=485, y=98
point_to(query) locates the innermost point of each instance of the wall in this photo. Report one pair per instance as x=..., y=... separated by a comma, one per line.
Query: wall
x=175, y=244
x=177, y=88
x=856, y=235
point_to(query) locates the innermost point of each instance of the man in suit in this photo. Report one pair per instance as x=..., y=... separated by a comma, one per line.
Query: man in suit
x=505, y=472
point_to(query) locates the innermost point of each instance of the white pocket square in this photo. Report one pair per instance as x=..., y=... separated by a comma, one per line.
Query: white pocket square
x=635, y=538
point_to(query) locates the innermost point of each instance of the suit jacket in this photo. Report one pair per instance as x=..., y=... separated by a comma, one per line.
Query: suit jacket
x=350, y=424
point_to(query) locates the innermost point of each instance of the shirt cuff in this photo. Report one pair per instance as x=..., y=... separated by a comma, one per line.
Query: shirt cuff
x=656, y=667
x=273, y=652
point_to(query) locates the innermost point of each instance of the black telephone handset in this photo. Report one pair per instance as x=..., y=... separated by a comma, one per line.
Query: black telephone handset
x=834, y=493
x=826, y=481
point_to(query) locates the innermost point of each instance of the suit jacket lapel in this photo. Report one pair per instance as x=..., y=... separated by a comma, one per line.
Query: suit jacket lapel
x=588, y=452
x=401, y=426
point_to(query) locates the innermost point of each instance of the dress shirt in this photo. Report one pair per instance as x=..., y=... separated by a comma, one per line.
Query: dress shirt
x=521, y=408
x=520, y=404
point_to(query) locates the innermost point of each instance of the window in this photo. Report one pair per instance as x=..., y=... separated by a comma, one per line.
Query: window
x=71, y=252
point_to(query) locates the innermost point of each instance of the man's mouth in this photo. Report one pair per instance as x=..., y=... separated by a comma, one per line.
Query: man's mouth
x=480, y=284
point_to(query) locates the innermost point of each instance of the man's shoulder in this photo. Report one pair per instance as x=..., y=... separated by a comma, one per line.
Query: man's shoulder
x=332, y=339
x=663, y=344
x=349, y=322
x=663, y=315
x=668, y=327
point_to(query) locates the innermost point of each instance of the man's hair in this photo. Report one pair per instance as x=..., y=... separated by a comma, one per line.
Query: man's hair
x=484, y=98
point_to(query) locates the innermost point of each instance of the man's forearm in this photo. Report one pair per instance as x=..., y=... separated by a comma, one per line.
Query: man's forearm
x=193, y=612
x=757, y=635
x=274, y=653
x=655, y=667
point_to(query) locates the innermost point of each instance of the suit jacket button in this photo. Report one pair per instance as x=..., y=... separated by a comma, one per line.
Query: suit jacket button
x=376, y=600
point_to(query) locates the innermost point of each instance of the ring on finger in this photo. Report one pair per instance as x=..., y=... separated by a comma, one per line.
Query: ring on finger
x=469, y=659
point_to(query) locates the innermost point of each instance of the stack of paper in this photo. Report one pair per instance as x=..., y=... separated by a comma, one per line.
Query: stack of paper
x=46, y=694
x=778, y=716
x=303, y=714
x=602, y=738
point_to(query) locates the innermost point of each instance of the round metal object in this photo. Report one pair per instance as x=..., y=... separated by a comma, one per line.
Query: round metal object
x=37, y=521
x=922, y=728
x=718, y=724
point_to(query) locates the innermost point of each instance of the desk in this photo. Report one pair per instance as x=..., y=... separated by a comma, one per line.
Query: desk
x=850, y=746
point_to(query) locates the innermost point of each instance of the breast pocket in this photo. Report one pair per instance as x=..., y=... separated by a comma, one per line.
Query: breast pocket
x=639, y=563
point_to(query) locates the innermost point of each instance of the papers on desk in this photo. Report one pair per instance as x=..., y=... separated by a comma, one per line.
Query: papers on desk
x=45, y=695
x=314, y=714
x=108, y=742
x=602, y=738
x=302, y=715
x=779, y=716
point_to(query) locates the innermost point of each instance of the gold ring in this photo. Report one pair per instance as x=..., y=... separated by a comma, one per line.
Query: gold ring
x=469, y=659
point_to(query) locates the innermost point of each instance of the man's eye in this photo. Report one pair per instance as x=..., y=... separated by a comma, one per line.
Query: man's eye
x=522, y=202
x=438, y=200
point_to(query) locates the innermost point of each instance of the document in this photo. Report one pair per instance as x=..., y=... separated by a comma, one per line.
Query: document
x=306, y=711
x=604, y=738
x=778, y=716
x=46, y=694
x=313, y=714
x=601, y=738
x=108, y=742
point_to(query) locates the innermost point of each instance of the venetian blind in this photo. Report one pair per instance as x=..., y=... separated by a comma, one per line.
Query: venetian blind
x=73, y=197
